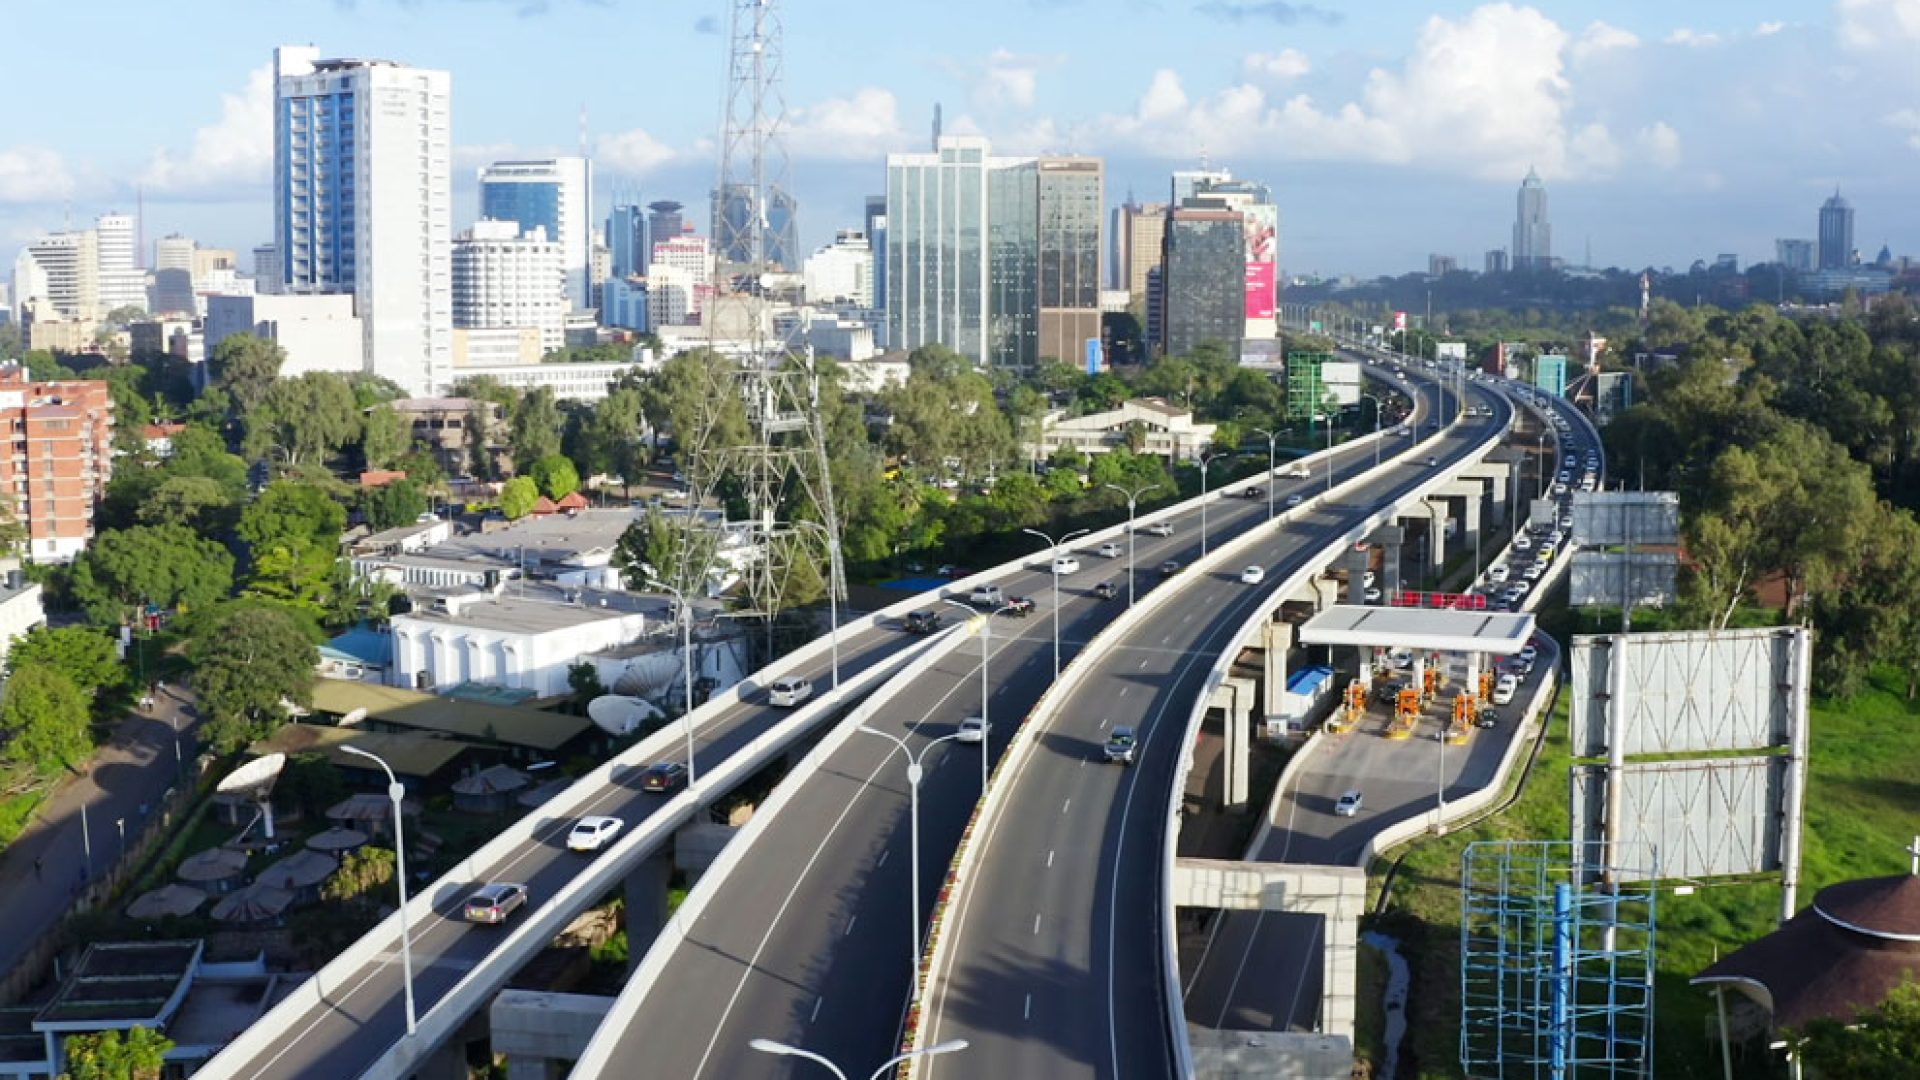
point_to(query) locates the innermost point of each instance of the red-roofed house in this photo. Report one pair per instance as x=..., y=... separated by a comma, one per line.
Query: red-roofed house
x=544, y=507
x=573, y=501
x=159, y=438
x=374, y=478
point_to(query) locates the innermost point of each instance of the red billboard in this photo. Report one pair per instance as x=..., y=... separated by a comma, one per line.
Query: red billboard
x=1260, y=290
x=1444, y=601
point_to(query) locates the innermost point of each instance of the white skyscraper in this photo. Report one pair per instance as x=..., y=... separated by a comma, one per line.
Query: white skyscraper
x=173, y=252
x=504, y=279
x=62, y=271
x=841, y=272
x=555, y=194
x=122, y=284
x=1532, y=232
x=362, y=179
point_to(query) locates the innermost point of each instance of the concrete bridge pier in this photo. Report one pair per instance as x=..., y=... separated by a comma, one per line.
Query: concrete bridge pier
x=646, y=889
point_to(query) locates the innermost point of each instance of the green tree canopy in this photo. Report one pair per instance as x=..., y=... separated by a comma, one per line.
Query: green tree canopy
x=136, y=1054
x=44, y=720
x=1881, y=1041
x=84, y=655
x=247, y=660
x=392, y=505
x=293, y=515
x=384, y=436
x=555, y=475
x=169, y=565
x=534, y=428
x=517, y=497
x=245, y=367
x=667, y=548
x=310, y=417
x=363, y=877
x=200, y=503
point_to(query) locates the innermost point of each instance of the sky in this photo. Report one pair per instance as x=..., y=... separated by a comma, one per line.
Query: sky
x=1387, y=129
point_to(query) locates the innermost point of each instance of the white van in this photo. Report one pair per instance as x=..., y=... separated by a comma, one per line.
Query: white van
x=1497, y=573
x=1504, y=690
x=788, y=691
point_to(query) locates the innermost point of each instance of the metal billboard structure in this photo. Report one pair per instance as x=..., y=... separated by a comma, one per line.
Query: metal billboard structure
x=1740, y=695
x=1556, y=961
x=1616, y=579
x=1627, y=578
x=1607, y=518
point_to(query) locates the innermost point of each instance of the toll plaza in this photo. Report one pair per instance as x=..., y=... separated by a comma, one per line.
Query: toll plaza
x=1418, y=661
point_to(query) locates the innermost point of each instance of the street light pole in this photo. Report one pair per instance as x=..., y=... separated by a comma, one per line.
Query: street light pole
x=1133, y=500
x=1206, y=462
x=686, y=670
x=1053, y=558
x=1271, y=481
x=914, y=774
x=833, y=595
x=397, y=791
x=1376, y=427
x=986, y=653
x=780, y=1049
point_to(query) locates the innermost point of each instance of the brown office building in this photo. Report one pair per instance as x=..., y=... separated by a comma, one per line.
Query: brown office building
x=59, y=458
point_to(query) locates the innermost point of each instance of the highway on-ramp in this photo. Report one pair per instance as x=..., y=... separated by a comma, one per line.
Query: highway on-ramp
x=811, y=941
x=1054, y=960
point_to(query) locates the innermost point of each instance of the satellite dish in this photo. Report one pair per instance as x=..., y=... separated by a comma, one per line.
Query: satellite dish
x=619, y=715
x=254, y=782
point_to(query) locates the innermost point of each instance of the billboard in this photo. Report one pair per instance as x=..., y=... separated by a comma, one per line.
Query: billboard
x=1450, y=350
x=1262, y=224
x=1341, y=379
x=1260, y=290
x=1094, y=356
x=1708, y=817
x=1550, y=374
x=1685, y=693
x=1399, y=320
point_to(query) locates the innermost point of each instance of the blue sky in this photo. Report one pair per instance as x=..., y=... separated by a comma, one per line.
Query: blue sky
x=1388, y=129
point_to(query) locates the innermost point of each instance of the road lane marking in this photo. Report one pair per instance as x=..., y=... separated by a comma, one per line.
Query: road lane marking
x=1028, y=1013
x=1065, y=805
x=1036, y=925
x=1049, y=858
x=884, y=852
x=817, y=1002
x=849, y=930
x=1124, y=689
x=1143, y=665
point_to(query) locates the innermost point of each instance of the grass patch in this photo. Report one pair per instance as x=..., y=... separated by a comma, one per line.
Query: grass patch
x=1863, y=808
x=16, y=813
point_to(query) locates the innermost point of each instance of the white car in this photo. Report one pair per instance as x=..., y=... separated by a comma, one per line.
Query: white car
x=1066, y=564
x=1522, y=542
x=593, y=833
x=1293, y=501
x=1109, y=551
x=1497, y=573
x=1504, y=690
x=1298, y=472
x=972, y=730
x=1348, y=804
x=1529, y=653
x=789, y=691
x=1160, y=528
x=1534, y=572
x=1253, y=575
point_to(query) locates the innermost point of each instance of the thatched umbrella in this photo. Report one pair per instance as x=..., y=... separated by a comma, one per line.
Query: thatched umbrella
x=167, y=901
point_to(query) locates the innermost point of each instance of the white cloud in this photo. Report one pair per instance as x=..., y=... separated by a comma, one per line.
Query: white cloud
x=1659, y=144
x=1768, y=29
x=1906, y=121
x=1010, y=79
x=34, y=174
x=1601, y=38
x=1283, y=66
x=1486, y=94
x=857, y=128
x=232, y=152
x=1693, y=39
x=632, y=152
x=1876, y=24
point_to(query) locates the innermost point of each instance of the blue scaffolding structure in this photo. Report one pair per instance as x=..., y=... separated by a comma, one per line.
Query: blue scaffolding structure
x=1556, y=961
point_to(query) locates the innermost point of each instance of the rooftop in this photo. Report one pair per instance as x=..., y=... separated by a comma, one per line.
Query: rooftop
x=410, y=709
x=537, y=611
x=1419, y=628
x=123, y=984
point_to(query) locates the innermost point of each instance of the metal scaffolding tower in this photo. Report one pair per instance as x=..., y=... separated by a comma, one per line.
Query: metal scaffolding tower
x=760, y=441
x=1556, y=961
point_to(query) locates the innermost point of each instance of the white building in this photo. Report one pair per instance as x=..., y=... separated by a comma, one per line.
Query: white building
x=507, y=637
x=122, y=282
x=1164, y=430
x=555, y=194
x=509, y=277
x=688, y=254
x=569, y=382
x=841, y=272
x=173, y=252
x=63, y=271
x=363, y=203
x=840, y=338
x=673, y=296
x=20, y=607
x=318, y=333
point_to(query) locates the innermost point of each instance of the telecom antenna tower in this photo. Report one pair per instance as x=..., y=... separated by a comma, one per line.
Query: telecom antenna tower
x=778, y=471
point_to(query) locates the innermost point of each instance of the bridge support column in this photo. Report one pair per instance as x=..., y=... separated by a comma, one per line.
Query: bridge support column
x=1498, y=476
x=541, y=1033
x=1391, y=538
x=647, y=904
x=1276, y=641
x=1436, y=534
x=1357, y=561
x=1234, y=699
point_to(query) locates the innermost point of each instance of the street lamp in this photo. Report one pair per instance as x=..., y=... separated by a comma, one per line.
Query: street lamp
x=833, y=594
x=780, y=1049
x=1271, y=482
x=914, y=775
x=397, y=791
x=1376, y=427
x=686, y=669
x=1540, y=464
x=1133, y=501
x=1052, y=560
x=1206, y=462
x=986, y=653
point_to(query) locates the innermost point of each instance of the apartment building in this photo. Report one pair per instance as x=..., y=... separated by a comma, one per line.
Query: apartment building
x=59, y=458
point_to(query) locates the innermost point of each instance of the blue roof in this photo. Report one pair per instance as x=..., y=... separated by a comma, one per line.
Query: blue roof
x=361, y=645
x=1308, y=680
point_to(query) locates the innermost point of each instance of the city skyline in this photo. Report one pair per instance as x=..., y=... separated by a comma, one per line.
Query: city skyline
x=1338, y=111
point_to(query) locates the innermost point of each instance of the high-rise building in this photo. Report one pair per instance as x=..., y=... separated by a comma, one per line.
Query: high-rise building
x=1261, y=248
x=173, y=252
x=1188, y=182
x=1532, y=233
x=1496, y=262
x=936, y=253
x=627, y=240
x=555, y=194
x=1142, y=229
x=1796, y=255
x=363, y=203
x=876, y=224
x=316, y=331
x=60, y=460
x=1441, y=265
x=1836, y=233
x=1203, y=275
x=62, y=272
x=732, y=213
x=1013, y=265
x=679, y=279
x=122, y=283
x=664, y=223
x=1071, y=200
x=269, y=279
x=841, y=272
x=509, y=277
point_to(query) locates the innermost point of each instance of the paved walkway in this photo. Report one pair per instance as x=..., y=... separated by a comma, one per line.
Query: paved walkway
x=43, y=870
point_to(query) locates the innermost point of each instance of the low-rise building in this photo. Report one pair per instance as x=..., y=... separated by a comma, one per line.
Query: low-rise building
x=523, y=637
x=317, y=332
x=20, y=608
x=459, y=431
x=1155, y=425
x=60, y=456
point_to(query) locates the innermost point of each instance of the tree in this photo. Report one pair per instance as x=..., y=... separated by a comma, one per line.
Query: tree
x=84, y=655
x=45, y=721
x=291, y=514
x=667, y=548
x=1881, y=1041
x=245, y=367
x=310, y=784
x=584, y=680
x=169, y=565
x=534, y=430
x=384, y=436
x=247, y=660
x=200, y=503
x=517, y=497
x=136, y=1054
x=394, y=504
x=556, y=476
x=309, y=417
x=362, y=877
